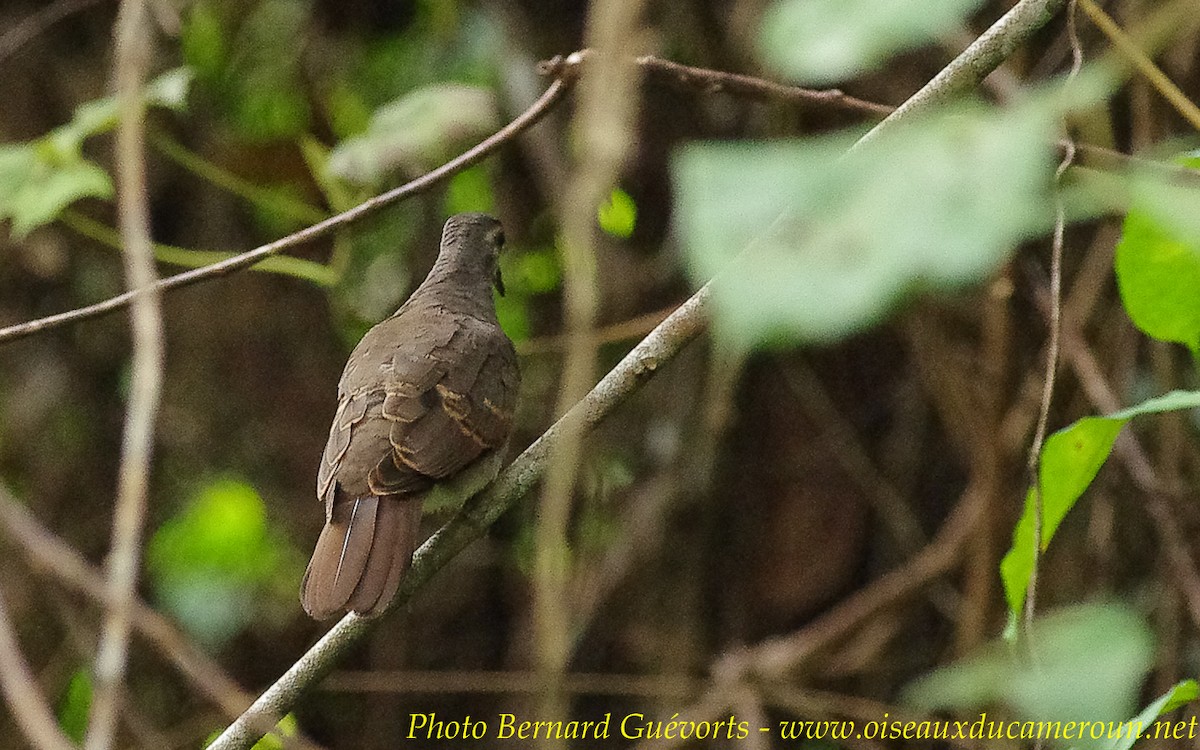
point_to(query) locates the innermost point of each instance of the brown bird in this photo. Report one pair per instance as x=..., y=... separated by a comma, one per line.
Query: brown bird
x=425, y=406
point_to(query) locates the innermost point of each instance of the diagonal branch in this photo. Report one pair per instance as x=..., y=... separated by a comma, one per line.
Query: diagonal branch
x=663, y=343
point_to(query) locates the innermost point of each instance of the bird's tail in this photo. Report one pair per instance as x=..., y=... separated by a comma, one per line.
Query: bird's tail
x=362, y=555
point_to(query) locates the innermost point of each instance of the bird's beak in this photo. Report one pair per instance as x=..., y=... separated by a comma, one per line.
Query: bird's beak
x=499, y=282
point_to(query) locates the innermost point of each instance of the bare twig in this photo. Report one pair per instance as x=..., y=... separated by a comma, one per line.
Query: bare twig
x=510, y=683
x=21, y=691
x=1159, y=80
x=1052, y=354
x=758, y=89
x=133, y=478
x=522, y=122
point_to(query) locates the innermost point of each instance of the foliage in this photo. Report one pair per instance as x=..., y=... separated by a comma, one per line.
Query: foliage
x=40, y=178
x=826, y=238
x=823, y=41
x=217, y=564
x=1088, y=663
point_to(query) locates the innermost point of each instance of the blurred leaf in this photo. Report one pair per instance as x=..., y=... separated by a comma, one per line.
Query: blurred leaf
x=213, y=561
x=470, y=190
x=417, y=132
x=1069, y=462
x=1183, y=693
x=532, y=271
x=255, y=76
x=829, y=239
x=40, y=178
x=823, y=41
x=513, y=314
x=1088, y=664
x=1158, y=265
x=202, y=40
x=618, y=215
x=74, y=705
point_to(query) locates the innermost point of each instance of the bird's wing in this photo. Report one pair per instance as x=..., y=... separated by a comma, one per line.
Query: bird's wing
x=449, y=408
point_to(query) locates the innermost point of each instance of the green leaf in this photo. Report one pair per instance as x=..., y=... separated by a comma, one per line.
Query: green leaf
x=1088, y=664
x=823, y=41
x=829, y=240
x=287, y=727
x=416, y=132
x=1183, y=693
x=1069, y=462
x=1158, y=274
x=74, y=705
x=40, y=178
x=213, y=561
x=618, y=215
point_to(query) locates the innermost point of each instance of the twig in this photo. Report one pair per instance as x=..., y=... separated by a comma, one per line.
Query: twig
x=1052, y=354
x=510, y=683
x=24, y=696
x=133, y=478
x=1165, y=86
x=522, y=122
x=749, y=87
x=48, y=554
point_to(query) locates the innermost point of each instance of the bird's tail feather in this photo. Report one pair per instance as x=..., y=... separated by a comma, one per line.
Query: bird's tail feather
x=361, y=556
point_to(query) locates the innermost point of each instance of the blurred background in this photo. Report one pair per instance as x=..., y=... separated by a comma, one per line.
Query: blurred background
x=736, y=498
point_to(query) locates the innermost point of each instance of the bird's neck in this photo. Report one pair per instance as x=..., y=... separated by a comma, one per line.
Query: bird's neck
x=457, y=289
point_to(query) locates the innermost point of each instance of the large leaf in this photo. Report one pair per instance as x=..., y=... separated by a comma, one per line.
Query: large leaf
x=1088, y=664
x=829, y=240
x=40, y=178
x=1069, y=462
x=822, y=41
x=1158, y=262
x=416, y=132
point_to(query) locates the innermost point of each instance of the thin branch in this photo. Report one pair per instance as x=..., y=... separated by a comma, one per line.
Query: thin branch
x=409, y=682
x=49, y=555
x=757, y=89
x=24, y=696
x=35, y=23
x=1165, y=86
x=133, y=477
x=604, y=129
x=244, y=260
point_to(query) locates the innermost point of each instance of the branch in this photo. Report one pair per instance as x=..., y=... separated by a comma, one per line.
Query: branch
x=24, y=696
x=133, y=477
x=529, y=117
x=659, y=347
x=663, y=343
x=50, y=555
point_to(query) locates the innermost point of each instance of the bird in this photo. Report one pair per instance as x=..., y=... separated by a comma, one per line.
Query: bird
x=425, y=408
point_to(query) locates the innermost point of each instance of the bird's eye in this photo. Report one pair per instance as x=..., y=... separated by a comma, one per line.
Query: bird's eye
x=498, y=238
